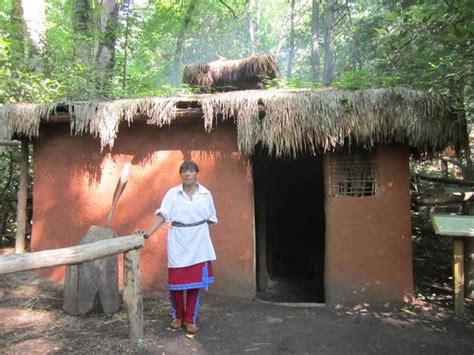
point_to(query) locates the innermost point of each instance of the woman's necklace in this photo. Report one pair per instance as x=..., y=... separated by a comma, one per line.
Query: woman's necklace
x=190, y=190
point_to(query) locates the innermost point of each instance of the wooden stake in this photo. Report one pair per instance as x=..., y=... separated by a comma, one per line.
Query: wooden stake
x=468, y=209
x=132, y=296
x=21, y=214
x=458, y=274
x=469, y=268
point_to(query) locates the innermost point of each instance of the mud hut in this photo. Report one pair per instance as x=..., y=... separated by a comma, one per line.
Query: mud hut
x=311, y=187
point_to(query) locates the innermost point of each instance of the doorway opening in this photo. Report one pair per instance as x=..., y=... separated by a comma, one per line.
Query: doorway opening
x=290, y=227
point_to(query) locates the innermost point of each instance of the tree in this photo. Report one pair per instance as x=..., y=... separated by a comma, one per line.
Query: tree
x=107, y=36
x=34, y=19
x=291, y=48
x=329, y=24
x=315, y=55
x=253, y=18
x=16, y=32
x=180, y=42
x=82, y=20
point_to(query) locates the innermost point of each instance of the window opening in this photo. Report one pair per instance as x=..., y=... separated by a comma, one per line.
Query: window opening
x=353, y=175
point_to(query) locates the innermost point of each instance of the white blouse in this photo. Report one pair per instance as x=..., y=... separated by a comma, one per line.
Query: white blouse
x=188, y=245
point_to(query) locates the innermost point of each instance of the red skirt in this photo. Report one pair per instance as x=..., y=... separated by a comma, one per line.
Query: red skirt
x=189, y=277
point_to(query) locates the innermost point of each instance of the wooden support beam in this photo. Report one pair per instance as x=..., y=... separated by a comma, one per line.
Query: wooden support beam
x=458, y=274
x=21, y=213
x=181, y=113
x=6, y=143
x=195, y=112
x=69, y=256
x=446, y=180
x=132, y=296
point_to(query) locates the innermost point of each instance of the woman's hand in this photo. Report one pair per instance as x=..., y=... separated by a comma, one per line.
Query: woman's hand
x=154, y=227
x=142, y=233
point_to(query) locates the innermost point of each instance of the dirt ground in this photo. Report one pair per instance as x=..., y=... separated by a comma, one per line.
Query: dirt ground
x=32, y=321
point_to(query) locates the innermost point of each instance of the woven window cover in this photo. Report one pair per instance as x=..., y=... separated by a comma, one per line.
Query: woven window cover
x=353, y=175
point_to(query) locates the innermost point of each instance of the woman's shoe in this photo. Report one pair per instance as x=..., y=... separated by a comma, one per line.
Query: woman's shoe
x=191, y=328
x=176, y=323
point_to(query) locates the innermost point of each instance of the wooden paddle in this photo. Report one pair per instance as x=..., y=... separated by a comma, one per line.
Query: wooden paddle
x=118, y=192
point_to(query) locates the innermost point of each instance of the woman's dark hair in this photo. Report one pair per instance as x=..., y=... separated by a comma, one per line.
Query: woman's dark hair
x=188, y=165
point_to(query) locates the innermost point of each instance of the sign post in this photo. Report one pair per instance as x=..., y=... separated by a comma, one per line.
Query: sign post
x=458, y=227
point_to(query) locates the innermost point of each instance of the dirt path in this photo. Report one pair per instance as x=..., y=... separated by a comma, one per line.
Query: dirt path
x=31, y=321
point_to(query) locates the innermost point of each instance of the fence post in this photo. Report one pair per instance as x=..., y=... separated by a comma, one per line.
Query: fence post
x=22, y=199
x=132, y=296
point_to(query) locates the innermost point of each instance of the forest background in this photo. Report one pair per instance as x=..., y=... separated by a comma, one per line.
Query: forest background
x=68, y=50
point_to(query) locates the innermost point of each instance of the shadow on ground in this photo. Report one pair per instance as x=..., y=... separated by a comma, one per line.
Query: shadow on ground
x=31, y=321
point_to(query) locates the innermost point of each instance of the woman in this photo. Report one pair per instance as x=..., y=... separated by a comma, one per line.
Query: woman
x=190, y=208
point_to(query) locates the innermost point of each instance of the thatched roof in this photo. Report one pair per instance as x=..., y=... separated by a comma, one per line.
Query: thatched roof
x=229, y=72
x=291, y=121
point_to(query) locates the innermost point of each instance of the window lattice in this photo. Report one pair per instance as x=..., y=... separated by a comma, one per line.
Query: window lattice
x=353, y=175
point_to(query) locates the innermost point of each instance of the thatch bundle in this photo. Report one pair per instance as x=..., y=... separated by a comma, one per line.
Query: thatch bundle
x=229, y=72
x=294, y=121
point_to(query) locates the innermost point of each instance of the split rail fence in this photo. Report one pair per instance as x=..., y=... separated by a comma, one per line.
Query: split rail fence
x=130, y=245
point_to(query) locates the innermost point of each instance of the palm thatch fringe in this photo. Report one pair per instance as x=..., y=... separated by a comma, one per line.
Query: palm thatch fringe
x=102, y=118
x=226, y=72
x=303, y=120
x=294, y=121
x=22, y=118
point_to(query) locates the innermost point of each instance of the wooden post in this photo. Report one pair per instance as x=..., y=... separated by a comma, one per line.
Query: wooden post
x=469, y=267
x=458, y=275
x=261, y=231
x=21, y=213
x=468, y=209
x=132, y=296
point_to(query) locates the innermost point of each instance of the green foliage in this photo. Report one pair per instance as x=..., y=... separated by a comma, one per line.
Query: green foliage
x=292, y=83
x=8, y=188
x=426, y=45
x=9, y=162
x=362, y=79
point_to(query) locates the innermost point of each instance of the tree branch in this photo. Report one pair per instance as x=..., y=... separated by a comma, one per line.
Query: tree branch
x=229, y=8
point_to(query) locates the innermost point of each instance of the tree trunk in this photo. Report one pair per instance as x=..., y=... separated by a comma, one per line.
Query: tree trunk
x=315, y=56
x=180, y=43
x=82, y=21
x=254, y=19
x=128, y=10
x=107, y=32
x=17, y=33
x=330, y=22
x=34, y=17
x=21, y=214
x=291, y=50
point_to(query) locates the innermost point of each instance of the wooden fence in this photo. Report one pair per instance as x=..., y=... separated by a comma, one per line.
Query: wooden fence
x=130, y=245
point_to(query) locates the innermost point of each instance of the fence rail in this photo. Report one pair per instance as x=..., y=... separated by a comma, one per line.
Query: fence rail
x=87, y=252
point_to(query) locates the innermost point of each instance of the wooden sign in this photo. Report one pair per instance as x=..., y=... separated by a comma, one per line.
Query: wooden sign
x=453, y=225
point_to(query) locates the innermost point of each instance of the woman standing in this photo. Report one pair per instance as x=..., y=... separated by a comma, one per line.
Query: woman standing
x=190, y=209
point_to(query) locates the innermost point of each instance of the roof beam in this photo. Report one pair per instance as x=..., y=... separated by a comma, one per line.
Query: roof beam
x=8, y=143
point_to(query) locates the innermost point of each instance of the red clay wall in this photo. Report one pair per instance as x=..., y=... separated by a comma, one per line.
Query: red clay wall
x=74, y=185
x=368, y=239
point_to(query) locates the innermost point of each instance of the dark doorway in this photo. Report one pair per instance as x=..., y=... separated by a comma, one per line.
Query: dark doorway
x=289, y=215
